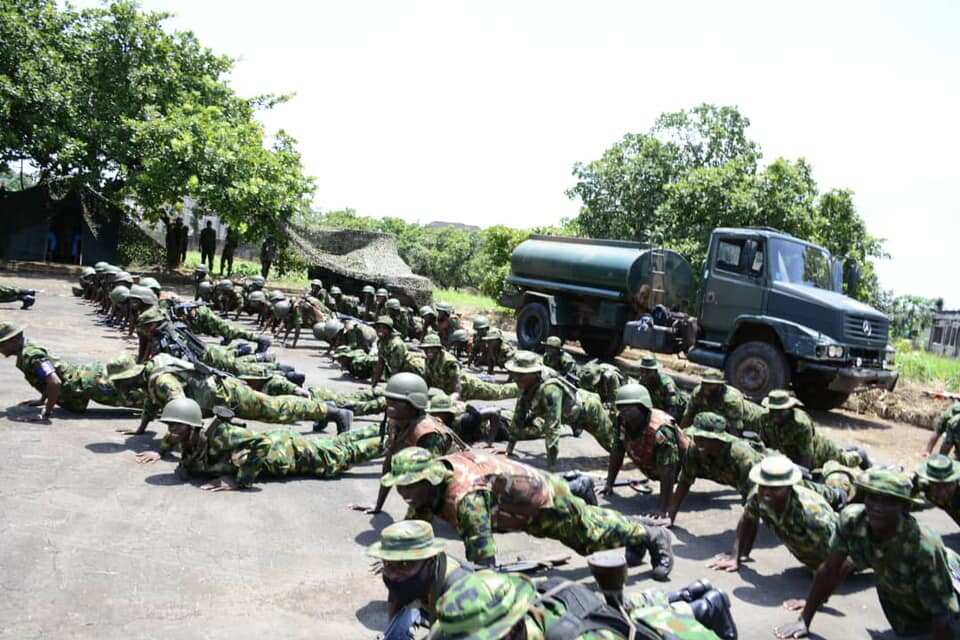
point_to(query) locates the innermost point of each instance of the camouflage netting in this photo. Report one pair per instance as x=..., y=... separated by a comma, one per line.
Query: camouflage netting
x=351, y=259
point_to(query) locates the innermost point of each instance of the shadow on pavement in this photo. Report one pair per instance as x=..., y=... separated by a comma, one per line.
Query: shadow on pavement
x=378, y=522
x=373, y=615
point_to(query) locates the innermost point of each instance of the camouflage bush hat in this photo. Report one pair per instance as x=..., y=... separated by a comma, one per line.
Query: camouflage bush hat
x=431, y=341
x=553, y=342
x=152, y=315
x=838, y=476
x=386, y=321
x=649, y=362
x=493, y=334
x=442, y=403
x=940, y=469
x=524, y=362
x=780, y=400
x=459, y=337
x=413, y=464
x=633, y=393
x=713, y=377
x=118, y=364
x=393, y=304
x=8, y=331
x=710, y=425
x=127, y=374
x=484, y=605
x=119, y=294
x=406, y=540
x=427, y=310
x=888, y=482
x=775, y=471
x=182, y=411
x=480, y=323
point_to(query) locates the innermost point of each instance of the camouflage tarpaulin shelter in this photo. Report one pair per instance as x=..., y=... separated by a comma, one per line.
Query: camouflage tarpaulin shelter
x=351, y=259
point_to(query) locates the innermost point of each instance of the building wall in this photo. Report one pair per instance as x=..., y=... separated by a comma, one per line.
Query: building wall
x=945, y=335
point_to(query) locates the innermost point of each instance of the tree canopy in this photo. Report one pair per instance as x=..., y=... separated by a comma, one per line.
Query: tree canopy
x=696, y=170
x=109, y=99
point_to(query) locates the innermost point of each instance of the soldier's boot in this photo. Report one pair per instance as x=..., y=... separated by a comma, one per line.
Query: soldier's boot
x=712, y=610
x=552, y=454
x=295, y=377
x=343, y=418
x=660, y=546
x=691, y=592
x=577, y=430
x=581, y=485
x=27, y=298
x=266, y=357
x=263, y=343
x=510, y=447
x=243, y=349
x=865, y=461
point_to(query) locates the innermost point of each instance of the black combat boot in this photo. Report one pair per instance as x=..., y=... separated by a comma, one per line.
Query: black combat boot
x=295, y=377
x=243, y=349
x=343, y=418
x=712, y=610
x=27, y=298
x=263, y=343
x=660, y=547
x=691, y=592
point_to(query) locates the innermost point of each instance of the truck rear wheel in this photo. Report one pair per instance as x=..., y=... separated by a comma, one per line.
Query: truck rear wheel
x=757, y=368
x=602, y=344
x=813, y=392
x=533, y=326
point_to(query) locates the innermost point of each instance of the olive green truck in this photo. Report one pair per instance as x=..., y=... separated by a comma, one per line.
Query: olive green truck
x=769, y=310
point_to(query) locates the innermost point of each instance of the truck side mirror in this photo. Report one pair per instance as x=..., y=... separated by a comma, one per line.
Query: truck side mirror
x=851, y=275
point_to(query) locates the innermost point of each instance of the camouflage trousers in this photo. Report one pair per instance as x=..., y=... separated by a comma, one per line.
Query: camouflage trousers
x=367, y=402
x=530, y=430
x=249, y=404
x=331, y=457
x=593, y=418
x=672, y=620
x=86, y=383
x=473, y=388
x=9, y=294
x=213, y=325
x=584, y=528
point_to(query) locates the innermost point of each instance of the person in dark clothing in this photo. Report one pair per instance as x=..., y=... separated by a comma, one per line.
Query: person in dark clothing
x=229, y=246
x=267, y=254
x=170, y=242
x=208, y=245
x=182, y=244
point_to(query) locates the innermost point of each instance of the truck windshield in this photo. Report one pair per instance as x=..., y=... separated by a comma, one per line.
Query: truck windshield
x=795, y=263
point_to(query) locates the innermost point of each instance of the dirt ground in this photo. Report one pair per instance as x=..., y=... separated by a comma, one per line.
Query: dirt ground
x=96, y=546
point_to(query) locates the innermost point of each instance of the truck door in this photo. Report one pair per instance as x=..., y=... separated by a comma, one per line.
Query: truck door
x=733, y=285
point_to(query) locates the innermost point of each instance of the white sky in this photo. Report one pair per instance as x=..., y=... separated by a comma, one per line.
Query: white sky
x=476, y=111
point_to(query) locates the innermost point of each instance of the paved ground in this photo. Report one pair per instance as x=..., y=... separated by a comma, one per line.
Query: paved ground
x=95, y=545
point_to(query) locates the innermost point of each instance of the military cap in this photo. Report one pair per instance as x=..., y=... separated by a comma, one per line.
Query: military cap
x=393, y=304
x=780, y=400
x=119, y=294
x=406, y=540
x=276, y=295
x=649, y=362
x=386, y=321
x=431, y=341
x=775, y=471
x=480, y=323
x=939, y=468
x=413, y=464
x=484, y=605
x=335, y=291
x=711, y=425
x=888, y=482
x=633, y=393
x=427, y=310
x=524, y=362
x=182, y=411
x=368, y=288
x=712, y=377
x=553, y=342
x=493, y=334
x=8, y=330
x=443, y=307
x=408, y=387
x=442, y=403
x=459, y=337
x=257, y=297
x=382, y=293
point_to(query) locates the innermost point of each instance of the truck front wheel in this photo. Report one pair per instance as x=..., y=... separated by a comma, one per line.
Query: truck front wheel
x=605, y=344
x=757, y=368
x=813, y=392
x=533, y=326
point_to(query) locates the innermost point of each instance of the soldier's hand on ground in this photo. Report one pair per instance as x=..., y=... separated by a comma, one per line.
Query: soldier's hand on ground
x=146, y=457
x=794, y=604
x=796, y=629
x=363, y=508
x=603, y=492
x=41, y=418
x=223, y=483
x=723, y=562
x=657, y=519
x=376, y=568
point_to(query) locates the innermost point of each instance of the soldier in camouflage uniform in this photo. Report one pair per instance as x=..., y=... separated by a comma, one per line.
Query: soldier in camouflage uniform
x=915, y=573
x=488, y=605
x=556, y=402
x=428, y=321
x=357, y=363
x=938, y=479
x=349, y=333
x=305, y=312
x=802, y=520
x=69, y=385
x=488, y=424
x=443, y=371
x=559, y=360
x=481, y=326
x=602, y=378
x=790, y=430
x=165, y=378
x=447, y=322
x=226, y=298
x=201, y=320
x=663, y=390
x=478, y=493
x=496, y=351
x=713, y=394
x=948, y=426
x=238, y=456
x=650, y=437
x=393, y=355
x=401, y=320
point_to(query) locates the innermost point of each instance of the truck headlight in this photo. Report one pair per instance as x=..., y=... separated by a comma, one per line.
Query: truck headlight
x=835, y=352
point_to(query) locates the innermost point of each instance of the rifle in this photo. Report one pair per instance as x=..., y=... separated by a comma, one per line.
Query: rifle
x=943, y=395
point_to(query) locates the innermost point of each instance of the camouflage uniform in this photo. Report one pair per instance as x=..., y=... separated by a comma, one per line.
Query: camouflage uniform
x=602, y=379
x=204, y=321
x=225, y=359
x=948, y=425
x=366, y=402
x=807, y=527
x=360, y=364
x=473, y=388
x=556, y=402
x=397, y=358
x=229, y=449
x=80, y=384
x=731, y=407
x=401, y=322
x=913, y=570
x=797, y=438
x=730, y=468
x=10, y=294
x=503, y=354
x=561, y=361
x=444, y=371
x=665, y=394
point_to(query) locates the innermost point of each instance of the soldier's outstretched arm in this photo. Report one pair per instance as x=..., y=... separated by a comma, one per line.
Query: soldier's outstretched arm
x=828, y=577
x=51, y=395
x=931, y=443
x=683, y=488
x=742, y=545
x=613, y=467
x=475, y=526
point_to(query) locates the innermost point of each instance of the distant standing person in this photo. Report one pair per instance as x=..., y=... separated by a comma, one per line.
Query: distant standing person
x=267, y=253
x=170, y=242
x=182, y=245
x=208, y=245
x=229, y=245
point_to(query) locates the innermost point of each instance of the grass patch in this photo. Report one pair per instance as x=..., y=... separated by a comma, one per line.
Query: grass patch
x=466, y=302
x=242, y=268
x=929, y=369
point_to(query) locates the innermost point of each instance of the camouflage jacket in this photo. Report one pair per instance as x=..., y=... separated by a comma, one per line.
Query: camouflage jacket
x=731, y=468
x=361, y=364
x=226, y=360
x=205, y=322
x=798, y=440
x=731, y=407
x=807, y=527
x=396, y=358
x=912, y=570
x=666, y=396
x=79, y=383
x=562, y=362
x=443, y=372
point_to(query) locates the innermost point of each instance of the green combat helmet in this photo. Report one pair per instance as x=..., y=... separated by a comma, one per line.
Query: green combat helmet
x=182, y=411
x=143, y=294
x=393, y=305
x=119, y=294
x=480, y=323
x=406, y=540
x=444, y=307
x=257, y=297
x=493, y=334
x=711, y=425
x=385, y=321
x=383, y=293
x=276, y=296
x=8, y=331
x=316, y=284
x=431, y=341
x=225, y=284
x=332, y=328
x=409, y=387
x=459, y=337
x=204, y=289
x=484, y=605
x=335, y=291
x=427, y=310
x=368, y=288
x=413, y=464
x=122, y=276
x=100, y=266
x=634, y=393
x=152, y=284
x=258, y=281
x=282, y=309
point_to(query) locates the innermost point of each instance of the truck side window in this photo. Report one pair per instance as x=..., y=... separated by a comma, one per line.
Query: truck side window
x=728, y=255
x=756, y=248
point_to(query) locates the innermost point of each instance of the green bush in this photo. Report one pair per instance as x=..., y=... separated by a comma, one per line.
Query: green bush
x=134, y=247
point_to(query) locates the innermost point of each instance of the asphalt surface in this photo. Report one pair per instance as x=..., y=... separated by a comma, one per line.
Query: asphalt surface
x=93, y=544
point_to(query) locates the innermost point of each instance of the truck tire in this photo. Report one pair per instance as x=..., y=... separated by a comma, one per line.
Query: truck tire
x=533, y=326
x=813, y=392
x=603, y=344
x=757, y=368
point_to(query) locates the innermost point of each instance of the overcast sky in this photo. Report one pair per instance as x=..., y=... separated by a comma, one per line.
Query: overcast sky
x=475, y=112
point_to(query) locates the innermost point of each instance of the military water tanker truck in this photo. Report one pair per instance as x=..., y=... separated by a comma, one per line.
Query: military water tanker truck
x=769, y=310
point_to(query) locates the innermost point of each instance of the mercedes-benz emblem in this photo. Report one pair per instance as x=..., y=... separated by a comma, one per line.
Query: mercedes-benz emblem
x=867, y=329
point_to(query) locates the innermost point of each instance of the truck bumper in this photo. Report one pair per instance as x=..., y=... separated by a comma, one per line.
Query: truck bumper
x=850, y=379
